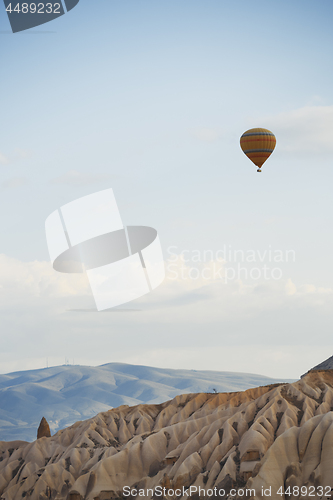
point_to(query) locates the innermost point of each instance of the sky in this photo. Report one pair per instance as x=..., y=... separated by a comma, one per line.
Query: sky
x=150, y=98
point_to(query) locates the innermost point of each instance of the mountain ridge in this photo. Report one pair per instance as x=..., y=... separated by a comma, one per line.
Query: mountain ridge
x=69, y=393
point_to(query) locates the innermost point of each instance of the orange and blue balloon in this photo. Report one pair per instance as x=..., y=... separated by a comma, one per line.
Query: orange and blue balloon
x=258, y=144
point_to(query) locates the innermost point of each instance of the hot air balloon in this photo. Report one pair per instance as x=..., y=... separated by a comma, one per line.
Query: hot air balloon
x=258, y=144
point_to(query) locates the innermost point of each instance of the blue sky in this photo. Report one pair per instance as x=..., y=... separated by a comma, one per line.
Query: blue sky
x=150, y=98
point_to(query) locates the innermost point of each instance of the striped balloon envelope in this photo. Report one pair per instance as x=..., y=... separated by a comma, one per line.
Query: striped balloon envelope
x=258, y=144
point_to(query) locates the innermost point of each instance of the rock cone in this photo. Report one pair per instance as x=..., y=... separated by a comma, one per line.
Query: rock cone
x=43, y=429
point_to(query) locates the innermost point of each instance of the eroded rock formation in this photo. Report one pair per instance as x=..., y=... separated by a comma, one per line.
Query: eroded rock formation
x=268, y=437
x=43, y=429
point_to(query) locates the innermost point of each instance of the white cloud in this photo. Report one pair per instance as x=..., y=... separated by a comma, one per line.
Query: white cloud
x=26, y=281
x=3, y=159
x=17, y=155
x=198, y=275
x=14, y=182
x=315, y=100
x=185, y=323
x=290, y=288
x=185, y=284
x=22, y=154
x=303, y=131
x=75, y=178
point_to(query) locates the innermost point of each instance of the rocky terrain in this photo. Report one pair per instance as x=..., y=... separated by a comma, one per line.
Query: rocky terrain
x=325, y=365
x=66, y=394
x=251, y=444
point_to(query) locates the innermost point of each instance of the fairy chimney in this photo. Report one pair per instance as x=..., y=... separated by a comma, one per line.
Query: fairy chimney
x=43, y=429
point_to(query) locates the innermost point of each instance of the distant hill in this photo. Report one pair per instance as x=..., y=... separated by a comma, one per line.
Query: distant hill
x=66, y=394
